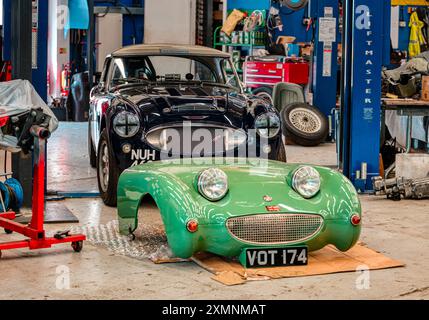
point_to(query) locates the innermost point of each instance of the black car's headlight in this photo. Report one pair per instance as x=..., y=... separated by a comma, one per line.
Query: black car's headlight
x=160, y=138
x=126, y=124
x=268, y=125
x=213, y=184
x=306, y=181
x=170, y=139
x=234, y=138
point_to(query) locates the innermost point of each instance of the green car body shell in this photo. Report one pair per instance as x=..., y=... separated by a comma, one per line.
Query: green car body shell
x=173, y=188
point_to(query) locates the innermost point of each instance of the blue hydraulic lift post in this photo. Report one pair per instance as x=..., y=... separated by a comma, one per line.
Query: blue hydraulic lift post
x=6, y=30
x=39, y=73
x=363, y=57
x=91, y=44
x=325, y=66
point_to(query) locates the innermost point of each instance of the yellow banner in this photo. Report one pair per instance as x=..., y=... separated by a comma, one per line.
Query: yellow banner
x=410, y=3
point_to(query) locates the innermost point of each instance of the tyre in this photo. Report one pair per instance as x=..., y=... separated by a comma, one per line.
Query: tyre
x=281, y=154
x=91, y=150
x=7, y=231
x=265, y=93
x=305, y=124
x=107, y=172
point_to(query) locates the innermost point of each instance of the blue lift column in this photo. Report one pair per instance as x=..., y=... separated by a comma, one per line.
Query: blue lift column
x=39, y=34
x=364, y=45
x=40, y=47
x=325, y=67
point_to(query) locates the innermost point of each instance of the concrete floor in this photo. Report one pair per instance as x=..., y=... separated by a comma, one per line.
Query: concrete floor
x=397, y=229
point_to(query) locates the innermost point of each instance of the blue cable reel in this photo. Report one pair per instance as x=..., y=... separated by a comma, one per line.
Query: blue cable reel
x=294, y=4
x=13, y=195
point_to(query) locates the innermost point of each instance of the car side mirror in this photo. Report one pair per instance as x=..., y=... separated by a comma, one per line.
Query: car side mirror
x=97, y=89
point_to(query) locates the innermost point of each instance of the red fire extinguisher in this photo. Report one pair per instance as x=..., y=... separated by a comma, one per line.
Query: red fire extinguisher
x=6, y=71
x=65, y=80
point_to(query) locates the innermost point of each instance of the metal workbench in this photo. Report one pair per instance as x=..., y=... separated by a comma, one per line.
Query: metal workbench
x=409, y=108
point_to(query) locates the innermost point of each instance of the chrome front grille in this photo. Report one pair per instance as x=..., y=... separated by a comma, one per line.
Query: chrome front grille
x=275, y=228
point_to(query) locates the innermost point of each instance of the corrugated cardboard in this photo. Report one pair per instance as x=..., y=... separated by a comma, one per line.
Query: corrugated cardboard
x=425, y=88
x=326, y=261
x=168, y=260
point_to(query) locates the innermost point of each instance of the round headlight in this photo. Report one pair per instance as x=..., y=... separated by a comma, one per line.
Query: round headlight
x=213, y=184
x=306, y=181
x=268, y=125
x=126, y=124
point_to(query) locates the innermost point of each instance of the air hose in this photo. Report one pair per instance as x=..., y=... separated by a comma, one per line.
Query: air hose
x=12, y=195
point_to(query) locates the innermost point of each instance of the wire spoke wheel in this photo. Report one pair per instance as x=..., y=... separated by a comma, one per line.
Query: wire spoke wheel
x=108, y=171
x=304, y=124
x=265, y=93
x=104, y=167
x=305, y=120
x=265, y=96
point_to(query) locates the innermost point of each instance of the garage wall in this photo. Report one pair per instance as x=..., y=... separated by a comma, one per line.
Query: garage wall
x=169, y=21
x=108, y=36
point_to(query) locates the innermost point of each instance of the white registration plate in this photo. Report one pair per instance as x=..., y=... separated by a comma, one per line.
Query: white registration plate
x=257, y=258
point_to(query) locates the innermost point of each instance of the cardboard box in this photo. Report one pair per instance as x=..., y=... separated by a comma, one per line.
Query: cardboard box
x=425, y=88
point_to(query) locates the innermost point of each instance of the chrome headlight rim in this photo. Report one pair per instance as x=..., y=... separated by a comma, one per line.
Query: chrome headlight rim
x=202, y=183
x=135, y=123
x=302, y=184
x=270, y=116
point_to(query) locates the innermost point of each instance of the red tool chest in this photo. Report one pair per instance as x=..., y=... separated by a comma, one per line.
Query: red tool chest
x=268, y=71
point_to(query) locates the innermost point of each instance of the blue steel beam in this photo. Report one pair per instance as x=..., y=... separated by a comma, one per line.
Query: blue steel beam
x=39, y=74
x=7, y=55
x=325, y=66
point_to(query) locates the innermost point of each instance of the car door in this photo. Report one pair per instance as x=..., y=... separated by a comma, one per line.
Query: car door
x=98, y=104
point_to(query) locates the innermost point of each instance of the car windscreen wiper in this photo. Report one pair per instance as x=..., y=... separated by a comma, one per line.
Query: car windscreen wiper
x=132, y=80
x=217, y=84
x=175, y=81
x=198, y=82
x=129, y=82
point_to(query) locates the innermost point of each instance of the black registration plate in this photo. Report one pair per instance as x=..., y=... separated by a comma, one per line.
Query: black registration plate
x=278, y=257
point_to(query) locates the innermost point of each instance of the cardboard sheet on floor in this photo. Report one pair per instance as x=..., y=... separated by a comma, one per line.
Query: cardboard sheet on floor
x=326, y=261
x=166, y=260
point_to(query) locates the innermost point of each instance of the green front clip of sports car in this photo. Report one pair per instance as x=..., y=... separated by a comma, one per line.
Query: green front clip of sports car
x=231, y=208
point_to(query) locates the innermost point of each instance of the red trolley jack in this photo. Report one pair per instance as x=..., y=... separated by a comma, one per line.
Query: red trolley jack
x=35, y=229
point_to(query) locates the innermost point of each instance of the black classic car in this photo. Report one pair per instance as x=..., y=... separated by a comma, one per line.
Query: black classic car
x=156, y=102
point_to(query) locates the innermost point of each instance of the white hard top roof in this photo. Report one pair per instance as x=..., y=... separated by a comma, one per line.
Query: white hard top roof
x=169, y=50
